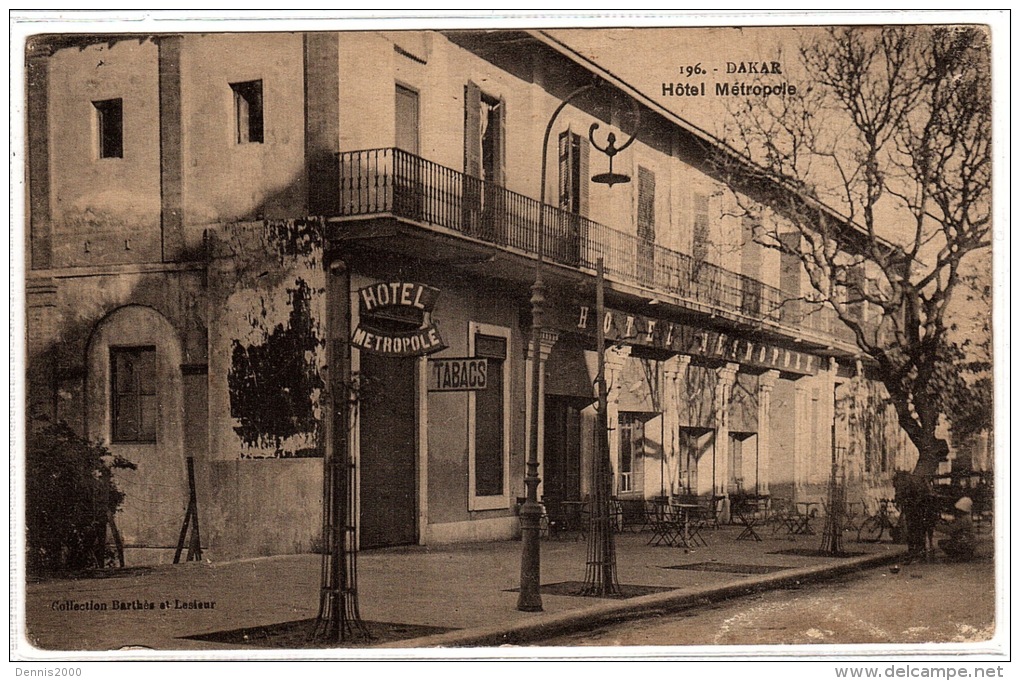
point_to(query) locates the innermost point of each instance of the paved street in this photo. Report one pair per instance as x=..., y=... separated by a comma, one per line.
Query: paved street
x=461, y=595
x=922, y=603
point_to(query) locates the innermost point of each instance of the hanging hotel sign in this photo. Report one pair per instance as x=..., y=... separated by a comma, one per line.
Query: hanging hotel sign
x=635, y=329
x=377, y=299
x=447, y=374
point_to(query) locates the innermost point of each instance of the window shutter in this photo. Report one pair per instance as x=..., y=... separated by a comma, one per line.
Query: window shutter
x=701, y=234
x=790, y=267
x=564, y=156
x=500, y=178
x=646, y=205
x=472, y=130
x=751, y=252
x=574, y=152
x=856, y=283
x=582, y=200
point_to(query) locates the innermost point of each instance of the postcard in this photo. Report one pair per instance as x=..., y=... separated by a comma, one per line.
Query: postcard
x=636, y=337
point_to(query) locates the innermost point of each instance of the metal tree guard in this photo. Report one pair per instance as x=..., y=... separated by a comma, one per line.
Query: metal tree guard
x=600, y=578
x=339, y=619
x=836, y=517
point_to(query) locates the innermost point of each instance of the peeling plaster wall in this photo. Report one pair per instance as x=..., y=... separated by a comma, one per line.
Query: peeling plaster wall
x=266, y=362
x=247, y=505
x=266, y=290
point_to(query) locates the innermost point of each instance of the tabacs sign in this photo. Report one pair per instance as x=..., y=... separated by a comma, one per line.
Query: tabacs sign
x=397, y=294
x=448, y=374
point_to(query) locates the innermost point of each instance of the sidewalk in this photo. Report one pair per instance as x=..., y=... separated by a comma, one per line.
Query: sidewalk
x=462, y=595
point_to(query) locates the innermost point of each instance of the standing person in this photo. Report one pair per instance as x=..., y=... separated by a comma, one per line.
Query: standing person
x=961, y=543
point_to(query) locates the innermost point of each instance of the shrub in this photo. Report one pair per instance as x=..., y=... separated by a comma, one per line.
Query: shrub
x=69, y=496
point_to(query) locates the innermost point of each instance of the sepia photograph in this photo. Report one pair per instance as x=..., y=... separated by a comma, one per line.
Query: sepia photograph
x=368, y=338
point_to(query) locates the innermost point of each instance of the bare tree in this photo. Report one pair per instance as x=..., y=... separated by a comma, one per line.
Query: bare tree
x=887, y=152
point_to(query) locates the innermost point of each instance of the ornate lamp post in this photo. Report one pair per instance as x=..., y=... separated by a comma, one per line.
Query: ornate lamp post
x=530, y=597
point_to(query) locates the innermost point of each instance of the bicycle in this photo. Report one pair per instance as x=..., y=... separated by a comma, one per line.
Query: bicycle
x=874, y=526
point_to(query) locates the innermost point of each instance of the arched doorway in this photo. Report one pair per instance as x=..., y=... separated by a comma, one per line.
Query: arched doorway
x=135, y=405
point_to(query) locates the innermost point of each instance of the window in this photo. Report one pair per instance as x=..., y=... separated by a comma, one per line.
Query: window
x=751, y=292
x=407, y=119
x=573, y=152
x=694, y=444
x=484, y=135
x=632, y=451
x=133, y=393
x=564, y=238
x=857, y=283
x=489, y=421
x=110, y=127
x=492, y=139
x=484, y=201
x=743, y=463
x=873, y=432
x=409, y=189
x=736, y=481
x=248, y=111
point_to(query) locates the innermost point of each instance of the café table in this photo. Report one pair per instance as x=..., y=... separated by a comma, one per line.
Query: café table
x=855, y=513
x=574, y=513
x=751, y=513
x=662, y=522
x=688, y=517
x=806, y=511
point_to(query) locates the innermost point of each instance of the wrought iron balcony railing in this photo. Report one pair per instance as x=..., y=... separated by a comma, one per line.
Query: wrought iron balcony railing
x=392, y=181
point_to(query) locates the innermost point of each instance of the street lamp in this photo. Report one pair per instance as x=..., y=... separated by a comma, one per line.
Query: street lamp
x=530, y=597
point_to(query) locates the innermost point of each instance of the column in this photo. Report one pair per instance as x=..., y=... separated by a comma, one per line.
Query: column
x=801, y=441
x=674, y=372
x=723, y=388
x=827, y=417
x=616, y=360
x=42, y=322
x=171, y=157
x=40, y=228
x=322, y=121
x=546, y=343
x=766, y=382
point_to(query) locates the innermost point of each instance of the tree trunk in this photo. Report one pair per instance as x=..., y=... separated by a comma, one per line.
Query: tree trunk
x=930, y=453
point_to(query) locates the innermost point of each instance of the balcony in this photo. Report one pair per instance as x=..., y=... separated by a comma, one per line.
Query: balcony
x=394, y=182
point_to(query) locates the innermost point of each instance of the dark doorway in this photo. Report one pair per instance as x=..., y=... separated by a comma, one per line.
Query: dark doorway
x=388, y=451
x=561, y=474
